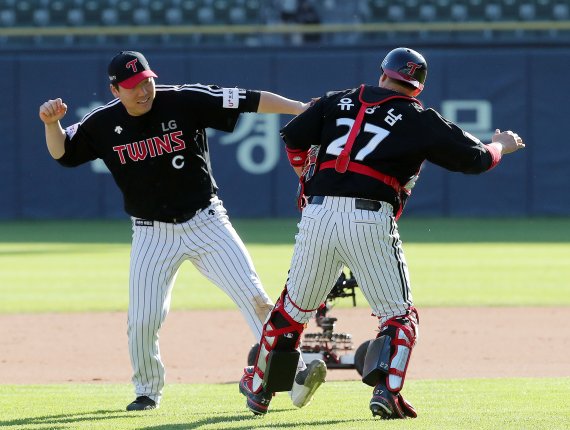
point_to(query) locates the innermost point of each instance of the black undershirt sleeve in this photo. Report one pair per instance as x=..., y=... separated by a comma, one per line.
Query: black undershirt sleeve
x=251, y=103
x=452, y=149
x=77, y=149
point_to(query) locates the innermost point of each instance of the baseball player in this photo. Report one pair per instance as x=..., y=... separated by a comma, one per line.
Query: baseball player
x=153, y=140
x=371, y=143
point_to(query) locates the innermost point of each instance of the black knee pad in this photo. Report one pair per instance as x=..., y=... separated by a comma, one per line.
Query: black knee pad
x=277, y=359
x=377, y=360
x=280, y=371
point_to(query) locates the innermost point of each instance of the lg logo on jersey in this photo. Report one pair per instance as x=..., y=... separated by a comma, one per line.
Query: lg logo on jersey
x=171, y=125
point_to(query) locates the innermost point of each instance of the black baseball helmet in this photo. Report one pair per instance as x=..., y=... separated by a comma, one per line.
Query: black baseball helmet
x=406, y=65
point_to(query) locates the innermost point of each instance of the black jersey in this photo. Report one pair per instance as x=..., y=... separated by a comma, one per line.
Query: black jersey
x=395, y=137
x=160, y=160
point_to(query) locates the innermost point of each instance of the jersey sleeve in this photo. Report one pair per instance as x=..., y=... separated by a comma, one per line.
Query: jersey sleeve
x=78, y=147
x=219, y=107
x=453, y=148
x=304, y=130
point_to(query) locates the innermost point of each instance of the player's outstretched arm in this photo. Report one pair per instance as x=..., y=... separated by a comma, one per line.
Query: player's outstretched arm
x=507, y=141
x=50, y=113
x=274, y=103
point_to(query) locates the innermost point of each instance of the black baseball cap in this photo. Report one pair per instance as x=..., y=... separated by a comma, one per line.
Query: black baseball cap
x=128, y=69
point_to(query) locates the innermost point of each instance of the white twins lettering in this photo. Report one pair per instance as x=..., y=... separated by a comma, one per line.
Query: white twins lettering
x=153, y=147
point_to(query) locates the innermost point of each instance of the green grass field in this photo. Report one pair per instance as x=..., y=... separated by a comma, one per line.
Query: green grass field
x=83, y=266
x=505, y=404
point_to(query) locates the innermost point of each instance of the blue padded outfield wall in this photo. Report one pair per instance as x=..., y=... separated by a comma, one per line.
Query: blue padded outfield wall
x=525, y=90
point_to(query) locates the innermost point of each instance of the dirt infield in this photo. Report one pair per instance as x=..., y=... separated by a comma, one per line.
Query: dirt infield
x=212, y=346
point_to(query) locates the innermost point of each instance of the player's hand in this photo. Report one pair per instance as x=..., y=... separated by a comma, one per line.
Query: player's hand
x=509, y=140
x=52, y=111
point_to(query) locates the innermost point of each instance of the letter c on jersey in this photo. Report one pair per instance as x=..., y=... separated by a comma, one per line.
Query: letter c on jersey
x=178, y=162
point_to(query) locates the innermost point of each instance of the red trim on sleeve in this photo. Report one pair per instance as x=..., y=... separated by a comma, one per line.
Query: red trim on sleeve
x=495, y=154
x=297, y=157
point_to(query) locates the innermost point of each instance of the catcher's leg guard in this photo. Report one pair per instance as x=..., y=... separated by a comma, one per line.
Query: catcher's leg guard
x=277, y=358
x=376, y=361
x=389, y=354
x=386, y=364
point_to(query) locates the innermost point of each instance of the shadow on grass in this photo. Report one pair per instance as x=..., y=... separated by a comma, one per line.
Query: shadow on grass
x=244, y=421
x=51, y=421
x=249, y=422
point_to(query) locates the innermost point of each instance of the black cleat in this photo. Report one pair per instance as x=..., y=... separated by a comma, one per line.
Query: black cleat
x=256, y=403
x=142, y=403
x=389, y=405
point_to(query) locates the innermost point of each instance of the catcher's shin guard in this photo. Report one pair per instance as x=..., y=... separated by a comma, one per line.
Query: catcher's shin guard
x=277, y=358
x=376, y=361
x=389, y=354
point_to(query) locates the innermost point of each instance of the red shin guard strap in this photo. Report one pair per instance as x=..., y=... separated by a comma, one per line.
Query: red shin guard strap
x=403, y=342
x=258, y=372
x=394, y=371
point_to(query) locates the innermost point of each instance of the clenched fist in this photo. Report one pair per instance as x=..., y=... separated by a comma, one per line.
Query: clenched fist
x=52, y=111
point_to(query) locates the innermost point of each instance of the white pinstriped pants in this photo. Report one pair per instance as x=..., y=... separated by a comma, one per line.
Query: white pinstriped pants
x=334, y=234
x=210, y=242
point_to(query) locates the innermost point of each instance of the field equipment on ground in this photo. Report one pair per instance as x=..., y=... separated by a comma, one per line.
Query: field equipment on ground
x=335, y=349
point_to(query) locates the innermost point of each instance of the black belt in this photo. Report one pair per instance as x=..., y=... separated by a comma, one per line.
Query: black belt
x=365, y=204
x=144, y=222
x=181, y=218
